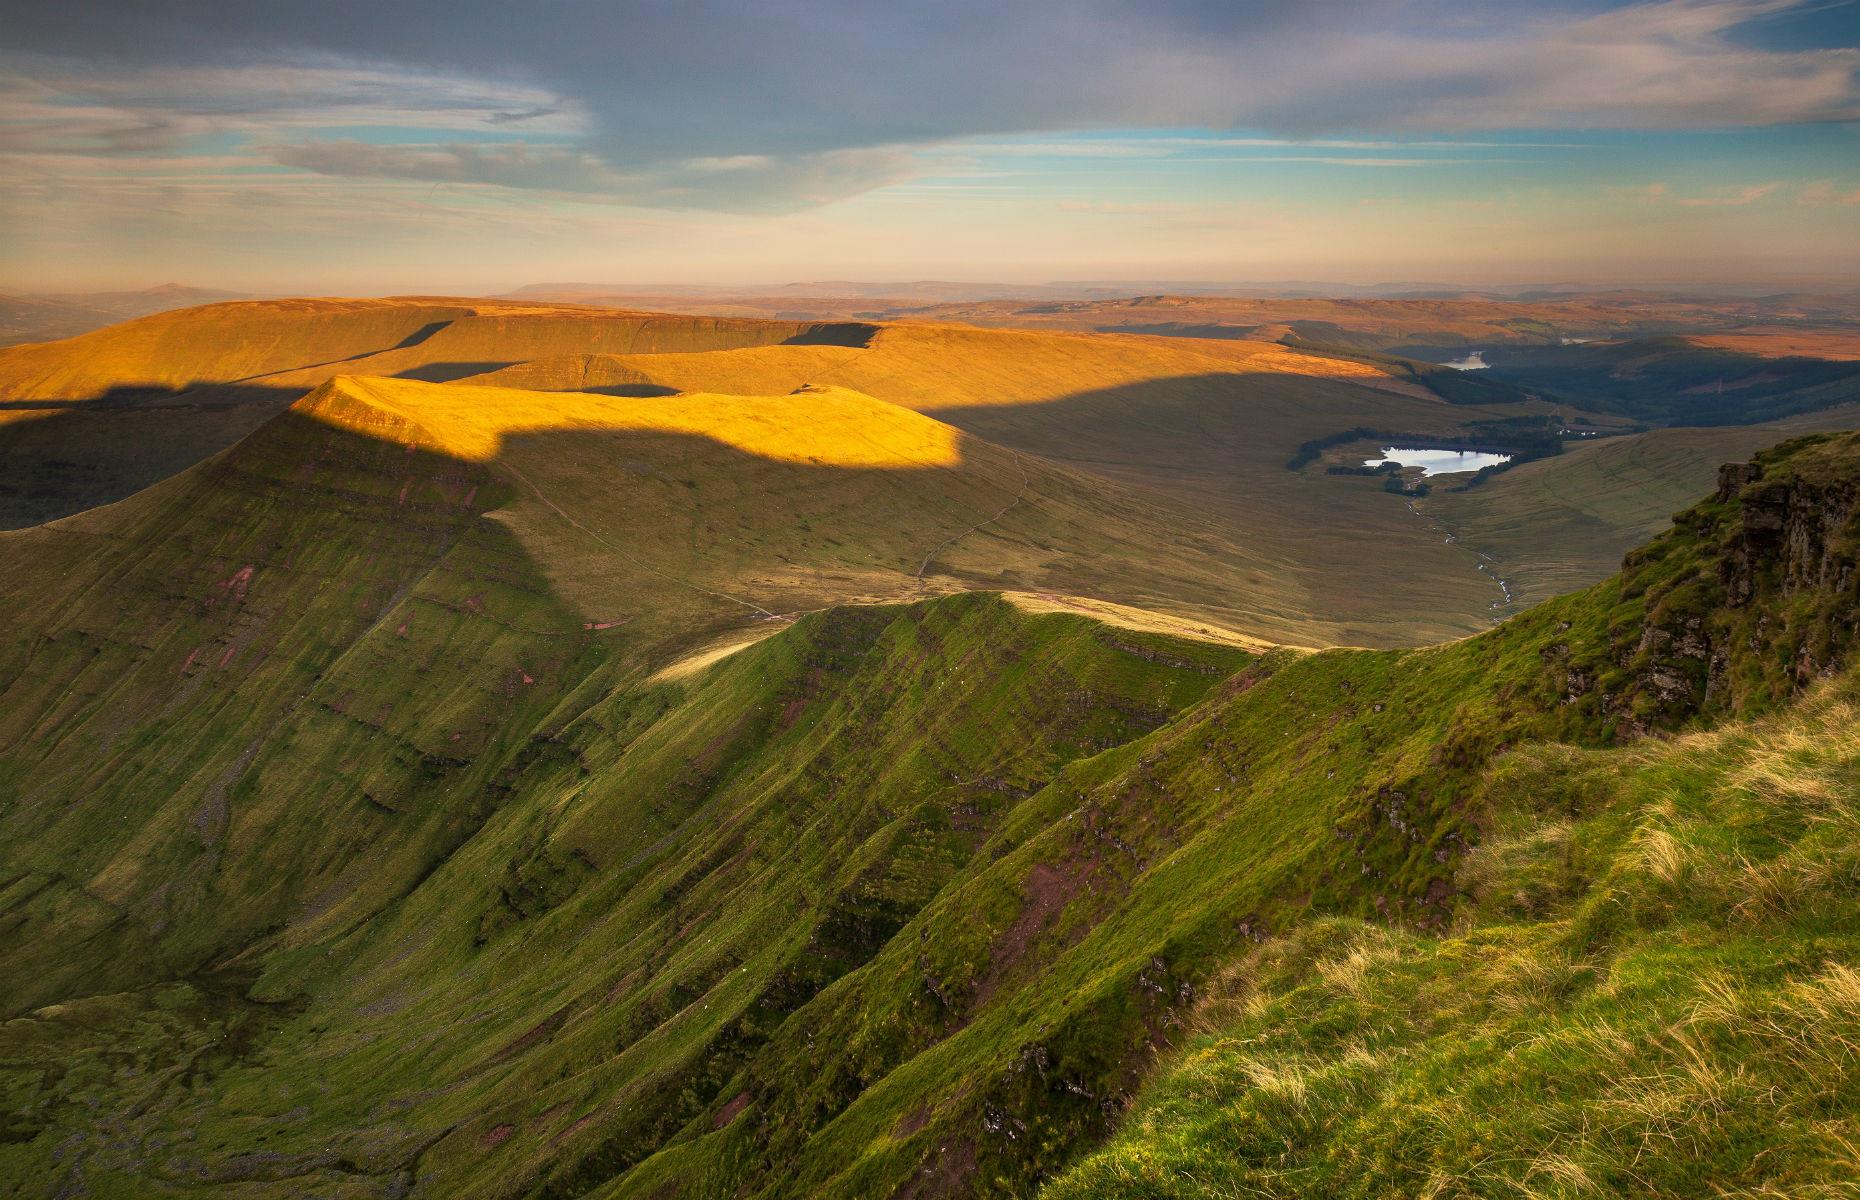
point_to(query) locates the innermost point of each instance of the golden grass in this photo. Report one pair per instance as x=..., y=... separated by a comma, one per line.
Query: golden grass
x=932, y=367
x=1663, y=856
x=830, y=427
x=1124, y=616
x=714, y=652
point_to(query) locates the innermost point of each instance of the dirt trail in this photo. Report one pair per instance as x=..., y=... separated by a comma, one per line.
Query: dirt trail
x=1010, y=506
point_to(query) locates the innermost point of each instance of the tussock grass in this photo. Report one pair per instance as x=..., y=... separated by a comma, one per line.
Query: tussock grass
x=1708, y=1047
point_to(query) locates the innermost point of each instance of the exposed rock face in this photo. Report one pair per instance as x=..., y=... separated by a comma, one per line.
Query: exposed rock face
x=1796, y=531
x=1750, y=597
x=1772, y=601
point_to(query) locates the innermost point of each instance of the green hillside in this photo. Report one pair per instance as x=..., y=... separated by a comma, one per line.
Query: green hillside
x=1650, y=991
x=367, y=827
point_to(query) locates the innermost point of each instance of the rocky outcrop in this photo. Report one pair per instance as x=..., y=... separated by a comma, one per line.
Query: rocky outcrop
x=1763, y=599
x=1752, y=595
x=1796, y=533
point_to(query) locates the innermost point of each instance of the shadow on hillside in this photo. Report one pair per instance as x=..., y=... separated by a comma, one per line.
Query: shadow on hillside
x=84, y=453
x=1210, y=448
x=449, y=372
x=1180, y=329
x=856, y=335
x=423, y=333
x=633, y=391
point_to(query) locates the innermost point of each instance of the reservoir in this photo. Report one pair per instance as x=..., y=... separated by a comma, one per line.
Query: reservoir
x=1472, y=362
x=1438, y=462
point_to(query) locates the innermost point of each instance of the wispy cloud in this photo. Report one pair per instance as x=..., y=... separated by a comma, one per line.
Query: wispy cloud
x=1730, y=197
x=1727, y=196
x=164, y=109
x=1646, y=193
x=151, y=121
x=746, y=183
x=1826, y=191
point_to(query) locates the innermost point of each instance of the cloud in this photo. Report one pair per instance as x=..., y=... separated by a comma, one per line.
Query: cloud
x=1646, y=193
x=1669, y=65
x=513, y=164
x=744, y=106
x=1827, y=192
x=755, y=184
x=80, y=111
x=1730, y=196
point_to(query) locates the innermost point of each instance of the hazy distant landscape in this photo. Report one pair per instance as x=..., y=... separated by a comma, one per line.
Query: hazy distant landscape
x=1164, y=602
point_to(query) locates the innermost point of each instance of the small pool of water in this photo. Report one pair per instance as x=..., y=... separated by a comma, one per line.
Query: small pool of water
x=1438, y=462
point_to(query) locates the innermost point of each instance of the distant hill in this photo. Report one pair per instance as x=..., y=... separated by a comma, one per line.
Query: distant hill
x=1203, y=420
x=50, y=316
x=141, y=303
x=1676, y=381
x=35, y=319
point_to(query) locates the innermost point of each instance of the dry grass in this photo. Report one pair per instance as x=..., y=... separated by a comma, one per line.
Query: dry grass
x=829, y=427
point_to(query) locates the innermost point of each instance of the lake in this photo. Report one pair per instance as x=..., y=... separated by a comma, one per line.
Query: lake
x=1438, y=462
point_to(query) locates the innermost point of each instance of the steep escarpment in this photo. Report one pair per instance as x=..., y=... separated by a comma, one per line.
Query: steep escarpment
x=1651, y=964
x=274, y=691
x=658, y=888
x=937, y=899
x=1746, y=600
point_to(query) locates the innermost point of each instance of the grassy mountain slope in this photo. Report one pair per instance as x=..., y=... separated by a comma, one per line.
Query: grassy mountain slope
x=420, y=792
x=673, y=873
x=337, y=612
x=289, y=676
x=897, y=901
x=1345, y=783
x=1651, y=991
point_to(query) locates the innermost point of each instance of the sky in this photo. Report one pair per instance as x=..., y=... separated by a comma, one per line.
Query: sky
x=466, y=146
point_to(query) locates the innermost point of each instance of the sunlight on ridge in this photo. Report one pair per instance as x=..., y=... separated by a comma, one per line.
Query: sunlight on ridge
x=831, y=427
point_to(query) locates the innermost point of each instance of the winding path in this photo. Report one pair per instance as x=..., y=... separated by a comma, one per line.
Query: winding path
x=1007, y=508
